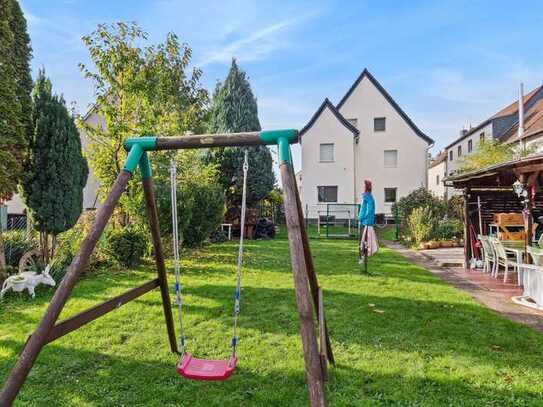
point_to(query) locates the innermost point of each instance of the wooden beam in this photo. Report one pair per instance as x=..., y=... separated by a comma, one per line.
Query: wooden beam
x=211, y=140
x=311, y=273
x=152, y=215
x=523, y=169
x=89, y=315
x=467, y=246
x=39, y=338
x=322, y=337
x=312, y=360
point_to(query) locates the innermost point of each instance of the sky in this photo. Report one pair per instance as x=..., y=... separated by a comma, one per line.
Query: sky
x=448, y=64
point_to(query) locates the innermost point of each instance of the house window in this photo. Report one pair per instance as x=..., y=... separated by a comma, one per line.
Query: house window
x=459, y=153
x=470, y=145
x=327, y=193
x=390, y=195
x=379, y=124
x=482, y=136
x=353, y=122
x=450, y=155
x=391, y=158
x=326, y=152
x=437, y=179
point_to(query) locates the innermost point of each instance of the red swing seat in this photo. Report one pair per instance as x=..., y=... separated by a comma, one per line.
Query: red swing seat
x=203, y=369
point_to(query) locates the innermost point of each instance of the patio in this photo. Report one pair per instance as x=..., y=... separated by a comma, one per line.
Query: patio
x=489, y=291
x=501, y=206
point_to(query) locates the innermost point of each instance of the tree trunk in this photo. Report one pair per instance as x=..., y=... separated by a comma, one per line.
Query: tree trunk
x=53, y=246
x=2, y=252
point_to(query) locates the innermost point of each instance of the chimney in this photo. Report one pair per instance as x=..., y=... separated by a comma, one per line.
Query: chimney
x=463, y=132
x=521, y=114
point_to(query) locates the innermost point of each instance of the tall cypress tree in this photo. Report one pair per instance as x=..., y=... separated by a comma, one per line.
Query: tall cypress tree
x=57, y=171
x=21, y=56
x=234, y=109
x=12, y=119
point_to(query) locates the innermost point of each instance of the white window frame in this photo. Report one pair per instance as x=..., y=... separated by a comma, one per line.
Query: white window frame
x=333, y=152
x=327, y=186
x=385, y=161
x=375, y=122
x=395, y=195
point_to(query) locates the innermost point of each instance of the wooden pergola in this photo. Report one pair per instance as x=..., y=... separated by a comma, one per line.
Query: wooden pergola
x=491, y=190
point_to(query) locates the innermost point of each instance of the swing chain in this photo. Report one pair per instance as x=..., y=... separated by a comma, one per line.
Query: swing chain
x=175, y=244
x=237, y=293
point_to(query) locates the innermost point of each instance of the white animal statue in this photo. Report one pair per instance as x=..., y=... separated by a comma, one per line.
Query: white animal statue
x=27, y=280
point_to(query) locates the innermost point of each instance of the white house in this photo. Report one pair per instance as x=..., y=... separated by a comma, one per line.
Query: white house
x=366, y=136
x=437, y=171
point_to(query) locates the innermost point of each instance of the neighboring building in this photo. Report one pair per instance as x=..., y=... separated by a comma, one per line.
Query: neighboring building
x=502, y=126
x=366, y=136
x=436, y=172
x=16, y=205
x=532, y=134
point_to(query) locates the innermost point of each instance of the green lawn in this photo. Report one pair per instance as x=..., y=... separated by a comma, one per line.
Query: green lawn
x=400, y=337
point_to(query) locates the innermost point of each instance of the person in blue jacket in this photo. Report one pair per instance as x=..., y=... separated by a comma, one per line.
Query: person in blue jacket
x=366, y=216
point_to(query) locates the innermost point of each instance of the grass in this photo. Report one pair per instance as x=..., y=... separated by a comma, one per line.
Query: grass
x=400, y=337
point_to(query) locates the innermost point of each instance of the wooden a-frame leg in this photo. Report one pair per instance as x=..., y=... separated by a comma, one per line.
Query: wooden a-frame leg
x=311, y=273
x=39, y=337
x=313, y=367
x=148, y=189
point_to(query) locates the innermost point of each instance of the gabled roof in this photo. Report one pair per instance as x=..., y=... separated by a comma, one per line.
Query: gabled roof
x=440, y=158
x=533, y=124
x=341, y=119
x=509, y=110
x=513, y=107
x=366, y=74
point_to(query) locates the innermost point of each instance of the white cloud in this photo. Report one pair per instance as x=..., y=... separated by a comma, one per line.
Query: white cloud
x=255, y=45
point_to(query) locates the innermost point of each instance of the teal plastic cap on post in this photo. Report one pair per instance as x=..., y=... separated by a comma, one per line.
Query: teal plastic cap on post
x=147, y=143
x=145, y=166
x=133, y=158
x=282, y=138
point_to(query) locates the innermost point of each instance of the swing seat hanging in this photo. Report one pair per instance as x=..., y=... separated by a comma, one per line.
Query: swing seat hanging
x=204, y=369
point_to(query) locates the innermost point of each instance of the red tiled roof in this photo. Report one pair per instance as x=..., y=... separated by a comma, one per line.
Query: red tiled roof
x=439, y=159
x=513, y=107
x=533, y=123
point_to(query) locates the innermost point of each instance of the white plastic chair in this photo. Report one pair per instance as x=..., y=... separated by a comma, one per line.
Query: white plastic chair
x=502, y=260
x=489, y=257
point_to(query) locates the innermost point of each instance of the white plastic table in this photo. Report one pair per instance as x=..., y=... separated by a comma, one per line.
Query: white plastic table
x=229, y=226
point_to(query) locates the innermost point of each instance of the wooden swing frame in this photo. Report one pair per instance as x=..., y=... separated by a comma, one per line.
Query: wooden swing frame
x=308, y=293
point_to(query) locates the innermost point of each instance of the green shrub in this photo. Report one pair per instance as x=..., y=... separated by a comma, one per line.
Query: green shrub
x=127, y=246
x=455, y=207
x=207, y=213
x=449, y=229
x=15, y=245
x=419, y=198
x=218, y=236
x=421, y=224
x=200, y=198
x=68, y=244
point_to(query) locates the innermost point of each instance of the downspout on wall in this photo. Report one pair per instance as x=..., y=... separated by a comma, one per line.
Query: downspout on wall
x=355, y=162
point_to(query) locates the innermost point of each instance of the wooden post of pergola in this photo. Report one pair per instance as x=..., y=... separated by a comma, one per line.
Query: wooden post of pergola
x=467, y=245
x=309, y=302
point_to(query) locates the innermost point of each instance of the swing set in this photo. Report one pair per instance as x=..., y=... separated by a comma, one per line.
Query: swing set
x=313, y=329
